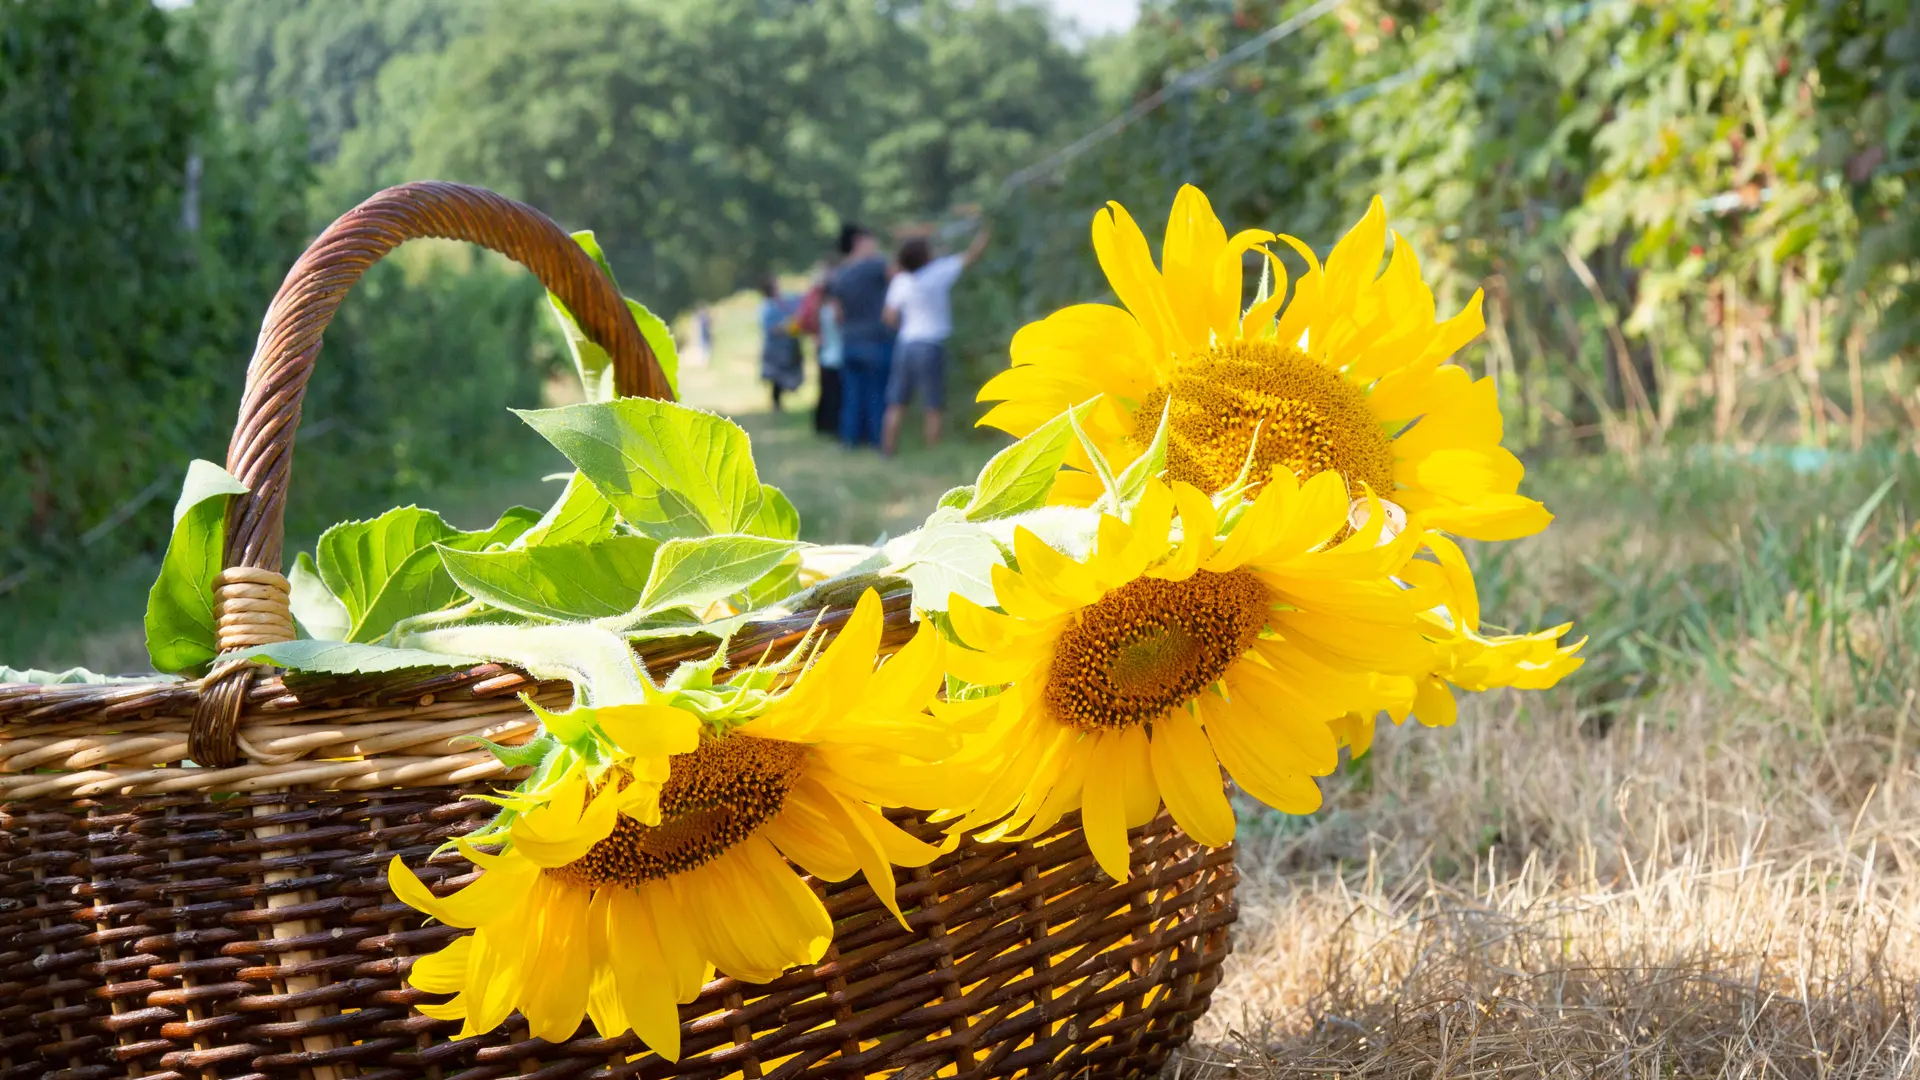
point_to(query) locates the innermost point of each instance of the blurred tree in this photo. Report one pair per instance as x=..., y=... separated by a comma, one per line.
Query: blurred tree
x=321, y=57
x=704, y=143
x=140, y=237
x=975, y=91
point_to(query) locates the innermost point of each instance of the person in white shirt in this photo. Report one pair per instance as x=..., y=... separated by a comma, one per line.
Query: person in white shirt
x=919, y=304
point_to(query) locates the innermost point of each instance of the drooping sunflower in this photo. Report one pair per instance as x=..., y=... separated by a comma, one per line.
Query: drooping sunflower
x=617, y=897
x=1135, y=675
x=1349, y=376
x=1466, y=658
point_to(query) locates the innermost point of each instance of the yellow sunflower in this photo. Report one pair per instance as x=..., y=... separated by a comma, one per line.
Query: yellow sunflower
x=1466, y=658
x=616, y=898
x=1134, y=675
x=1349, y=376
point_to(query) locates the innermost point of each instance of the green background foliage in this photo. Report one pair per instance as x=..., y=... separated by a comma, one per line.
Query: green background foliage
x=140, y=236
x=1690, y=216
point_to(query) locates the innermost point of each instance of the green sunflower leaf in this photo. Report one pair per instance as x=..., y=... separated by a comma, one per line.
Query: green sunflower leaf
x=350, y=658
x=1020, y=477
x=181, y=635
x=389, y=569
x=580, y=515
x=319, y=613
x=776, y=517
x=72, y=676
x=589, y=359
x=949, y=556
x=557, y=581
x=693, y=573
x=671, y=471
x=659, y=338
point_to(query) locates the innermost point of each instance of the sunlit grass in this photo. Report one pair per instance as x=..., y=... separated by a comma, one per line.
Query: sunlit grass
x=1698, y=857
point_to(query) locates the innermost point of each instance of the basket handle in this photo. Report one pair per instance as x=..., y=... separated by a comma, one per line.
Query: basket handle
x=252, y=601
x=261, y=452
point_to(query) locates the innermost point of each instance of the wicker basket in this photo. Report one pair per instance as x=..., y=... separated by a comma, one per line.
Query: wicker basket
x=162, y=920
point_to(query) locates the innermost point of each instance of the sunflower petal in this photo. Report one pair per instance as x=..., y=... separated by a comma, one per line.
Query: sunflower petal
x=1103, y=811
x=1249, y=759
x=1122, y=252
x=634, y=952
x=443, y=972
x=645, y=730
x=496, y=890
x=1194, y=241
x=1189, y=777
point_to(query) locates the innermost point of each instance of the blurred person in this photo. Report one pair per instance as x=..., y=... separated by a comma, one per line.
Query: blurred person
x=830, y=355
x=819, y=320
x=920, y=304
x=858, y=288
x=703, y=332
x=781, y=363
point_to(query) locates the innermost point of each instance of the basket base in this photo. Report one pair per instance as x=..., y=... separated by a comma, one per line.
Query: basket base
x=254, y=936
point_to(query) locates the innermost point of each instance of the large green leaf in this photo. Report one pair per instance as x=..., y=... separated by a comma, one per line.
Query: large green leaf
x=946, y=557
x=319, y=613
x=1019, y=477
x=660, y=339
x=181, y=634
x=389, y=569
x=580, y=515
x=512, y=525
x=671, y=471
x=774, y=586
x=350, y=658
x=558, y=581
x=386, y=569
x=694, y=573
x=73, y=676
x=776, y=517
x=589, y=359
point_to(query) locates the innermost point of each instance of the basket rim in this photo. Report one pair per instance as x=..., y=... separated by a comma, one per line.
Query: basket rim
x=83, y=739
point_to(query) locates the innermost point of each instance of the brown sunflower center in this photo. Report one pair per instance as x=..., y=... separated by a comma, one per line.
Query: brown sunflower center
x=1151, y=645
x=714, y=798
x=1309, y=418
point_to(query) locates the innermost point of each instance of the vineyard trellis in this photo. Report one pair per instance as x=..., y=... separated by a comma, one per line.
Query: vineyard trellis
x=1645, y=191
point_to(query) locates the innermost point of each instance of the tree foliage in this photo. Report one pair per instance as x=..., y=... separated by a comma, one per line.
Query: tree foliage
x=140, y=237
x=703, y=143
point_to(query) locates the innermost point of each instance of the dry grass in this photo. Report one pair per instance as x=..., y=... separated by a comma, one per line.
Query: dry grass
x=1720, y=877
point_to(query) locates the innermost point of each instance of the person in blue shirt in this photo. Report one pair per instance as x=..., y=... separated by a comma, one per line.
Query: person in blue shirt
x=859, y=289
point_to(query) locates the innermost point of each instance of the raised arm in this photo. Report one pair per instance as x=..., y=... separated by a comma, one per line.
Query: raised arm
x=980, y=238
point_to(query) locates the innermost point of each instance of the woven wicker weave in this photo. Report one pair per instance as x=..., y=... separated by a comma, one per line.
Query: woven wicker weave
x=160, y=920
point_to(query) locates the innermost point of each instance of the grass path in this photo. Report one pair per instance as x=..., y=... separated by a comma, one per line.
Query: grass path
x=844, y=496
